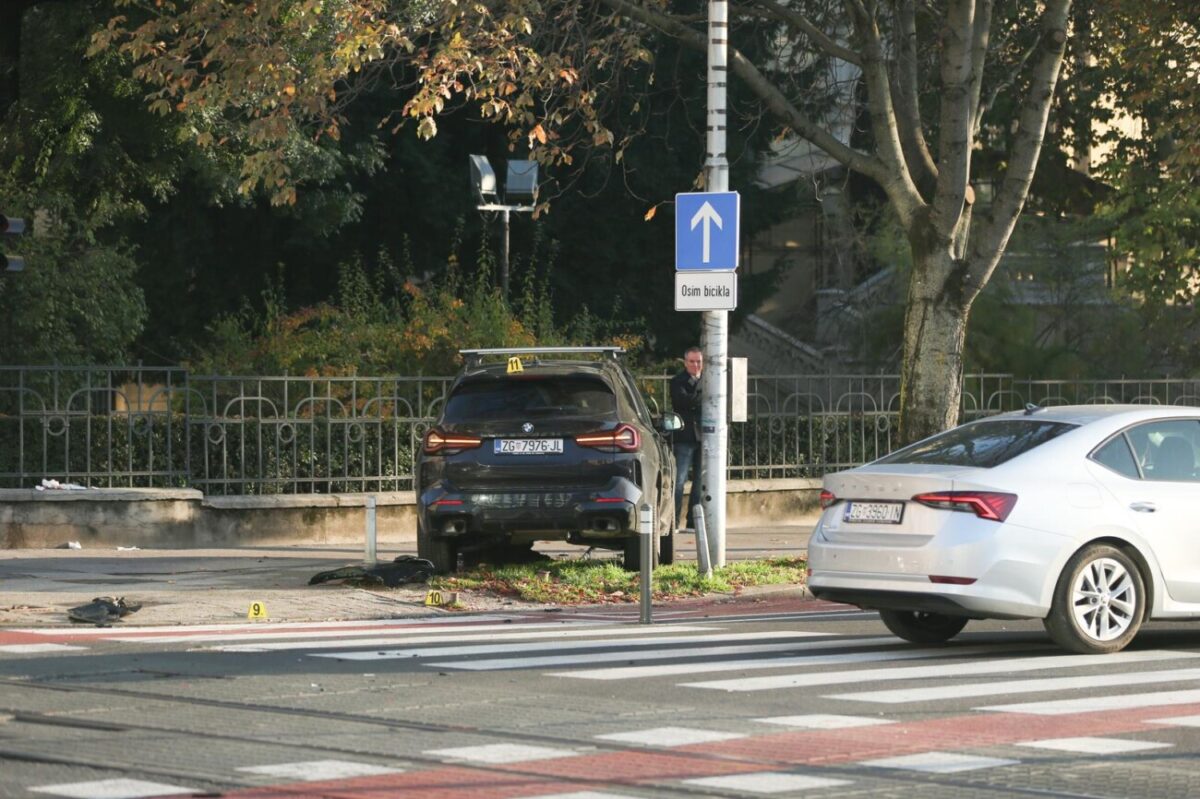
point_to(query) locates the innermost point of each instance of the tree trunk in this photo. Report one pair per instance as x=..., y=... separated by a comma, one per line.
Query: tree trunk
x=935, y=326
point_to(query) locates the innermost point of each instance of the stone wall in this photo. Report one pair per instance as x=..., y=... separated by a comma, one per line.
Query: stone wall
x=152, y=518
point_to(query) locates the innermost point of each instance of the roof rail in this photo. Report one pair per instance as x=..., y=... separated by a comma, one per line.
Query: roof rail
x=475, y=357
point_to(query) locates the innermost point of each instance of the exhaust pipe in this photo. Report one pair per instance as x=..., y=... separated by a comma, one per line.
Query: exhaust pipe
x=604, y=525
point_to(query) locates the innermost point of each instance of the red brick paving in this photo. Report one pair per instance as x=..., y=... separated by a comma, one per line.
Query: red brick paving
x=777, y=751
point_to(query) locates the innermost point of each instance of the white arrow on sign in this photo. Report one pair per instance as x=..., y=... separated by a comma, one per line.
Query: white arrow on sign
x=709, y=216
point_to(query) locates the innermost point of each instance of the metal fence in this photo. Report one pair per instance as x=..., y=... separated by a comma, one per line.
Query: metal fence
x=154, y=427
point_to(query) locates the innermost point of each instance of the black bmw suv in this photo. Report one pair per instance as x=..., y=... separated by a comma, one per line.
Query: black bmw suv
x=544, y=444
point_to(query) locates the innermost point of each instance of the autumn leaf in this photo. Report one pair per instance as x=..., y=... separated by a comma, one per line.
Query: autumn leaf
x=427, y=128
x=650, y=214
x=537, y=133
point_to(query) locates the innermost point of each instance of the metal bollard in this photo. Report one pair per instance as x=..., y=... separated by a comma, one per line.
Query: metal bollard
x=646, y=533
x=702, y=555
x=369, y=555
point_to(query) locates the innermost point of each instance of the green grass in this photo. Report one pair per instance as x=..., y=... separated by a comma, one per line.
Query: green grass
x=576, y=582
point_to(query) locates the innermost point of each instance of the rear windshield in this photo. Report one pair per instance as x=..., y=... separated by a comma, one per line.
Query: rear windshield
x=530, y=397
x=982, y=444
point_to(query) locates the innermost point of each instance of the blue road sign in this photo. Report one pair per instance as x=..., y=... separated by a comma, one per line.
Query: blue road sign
x=707, y=230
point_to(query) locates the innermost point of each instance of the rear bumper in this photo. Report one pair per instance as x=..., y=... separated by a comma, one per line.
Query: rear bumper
x=1014, y=571
x=900, y=600
x=531, y=513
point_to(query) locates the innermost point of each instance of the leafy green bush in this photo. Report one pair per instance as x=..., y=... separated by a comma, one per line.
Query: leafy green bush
x=383, y=323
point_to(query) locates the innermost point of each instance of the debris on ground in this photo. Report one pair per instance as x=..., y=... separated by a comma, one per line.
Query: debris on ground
x=404, y=569
x=70, y=545
x=103, y=611
x=54, y=485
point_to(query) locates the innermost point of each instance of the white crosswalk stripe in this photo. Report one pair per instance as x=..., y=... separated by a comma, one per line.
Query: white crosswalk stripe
x=755, y=664
x=1090, y=704
x=1009, y=687
x=722, y=663
x=544, y=632
x=538, y=646
x=948, y=670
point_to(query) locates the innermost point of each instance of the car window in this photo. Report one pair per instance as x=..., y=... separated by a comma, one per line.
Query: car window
x=1115, y=455
x=529, y=397
x=982, y=444
x=634, y=398
x=1166, y=449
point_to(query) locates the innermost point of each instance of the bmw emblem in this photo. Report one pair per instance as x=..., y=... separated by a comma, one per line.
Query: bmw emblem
x=527, y=427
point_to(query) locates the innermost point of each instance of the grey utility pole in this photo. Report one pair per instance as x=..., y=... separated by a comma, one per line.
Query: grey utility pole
x=714, y=426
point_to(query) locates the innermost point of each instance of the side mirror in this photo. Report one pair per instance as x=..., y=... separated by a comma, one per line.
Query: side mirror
x=670, y=422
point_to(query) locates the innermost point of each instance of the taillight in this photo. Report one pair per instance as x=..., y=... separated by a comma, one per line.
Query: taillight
x=827, y=498
x=625, y=438
x=436, y=441
x=992, y=505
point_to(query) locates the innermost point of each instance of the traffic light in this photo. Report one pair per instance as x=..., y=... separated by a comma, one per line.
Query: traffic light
x=11, y=226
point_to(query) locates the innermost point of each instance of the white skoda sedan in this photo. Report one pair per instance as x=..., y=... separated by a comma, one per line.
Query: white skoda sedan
x=1086, y=516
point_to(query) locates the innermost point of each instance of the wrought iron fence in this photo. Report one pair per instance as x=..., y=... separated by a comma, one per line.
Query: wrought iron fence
x=151, y=427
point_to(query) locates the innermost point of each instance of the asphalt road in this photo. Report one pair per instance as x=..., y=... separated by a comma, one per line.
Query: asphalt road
x=778, y=697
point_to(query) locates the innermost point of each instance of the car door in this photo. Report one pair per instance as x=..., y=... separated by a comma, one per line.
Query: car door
x=1151, y=469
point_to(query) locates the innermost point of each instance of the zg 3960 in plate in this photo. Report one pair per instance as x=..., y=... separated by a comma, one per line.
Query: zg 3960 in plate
x=874, y=512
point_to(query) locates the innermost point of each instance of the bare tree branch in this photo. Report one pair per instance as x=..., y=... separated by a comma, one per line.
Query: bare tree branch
x=1001, y=85
x=897, y=180
x=908, y=103
x=776, y=101
x=979, y=50
x=954, y=129
x=989, y=243
x=802, y=23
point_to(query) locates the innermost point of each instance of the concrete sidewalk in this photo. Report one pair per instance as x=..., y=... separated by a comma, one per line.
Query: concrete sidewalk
x=200, y=586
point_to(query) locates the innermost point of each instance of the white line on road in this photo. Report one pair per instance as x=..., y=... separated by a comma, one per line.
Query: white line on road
x=541, y=632
x=38, y=649
x=1062, y=707
x=254, y=627
x=940, y=692
x=708, y=666
x=254, y=635
x=539, y=646
x=950, y=670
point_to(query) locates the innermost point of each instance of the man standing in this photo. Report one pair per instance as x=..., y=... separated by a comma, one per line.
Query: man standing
x=685, y=401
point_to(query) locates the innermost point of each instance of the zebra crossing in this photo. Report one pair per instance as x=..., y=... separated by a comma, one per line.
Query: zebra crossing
x=785, y=658
x=984, y=706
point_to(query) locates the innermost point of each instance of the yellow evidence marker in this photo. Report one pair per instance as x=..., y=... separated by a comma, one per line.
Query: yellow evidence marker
x=515, y=365
x=257, y=611
x=439, y=600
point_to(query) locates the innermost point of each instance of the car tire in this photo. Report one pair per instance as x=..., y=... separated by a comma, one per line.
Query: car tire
x=633, y=552
x=442, y=553
x=1099, y=602
x=921, y=627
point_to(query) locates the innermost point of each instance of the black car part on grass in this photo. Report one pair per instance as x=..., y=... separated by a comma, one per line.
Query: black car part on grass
x=404, y=569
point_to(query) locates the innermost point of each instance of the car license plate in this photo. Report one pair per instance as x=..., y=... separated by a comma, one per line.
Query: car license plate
x=528, y=446
x=874, y=512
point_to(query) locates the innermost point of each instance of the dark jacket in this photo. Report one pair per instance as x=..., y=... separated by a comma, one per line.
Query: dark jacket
x=685, y=401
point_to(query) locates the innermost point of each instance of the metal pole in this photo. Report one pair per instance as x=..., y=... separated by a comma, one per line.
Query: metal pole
x=702, y=559
x=646, y=533
x=369, y=555
x=504, y=259
x=715, y=338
